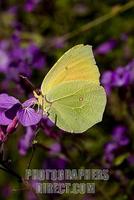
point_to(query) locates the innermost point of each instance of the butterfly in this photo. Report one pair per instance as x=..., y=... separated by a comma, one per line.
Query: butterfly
x=71, y=93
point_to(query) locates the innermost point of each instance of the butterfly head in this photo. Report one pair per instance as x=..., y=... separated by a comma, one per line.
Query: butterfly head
x=41, y=100
x=38, y=95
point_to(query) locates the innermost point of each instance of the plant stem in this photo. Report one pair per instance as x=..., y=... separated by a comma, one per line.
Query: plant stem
x=10, y=171
x=114, y=12
x=20, y=179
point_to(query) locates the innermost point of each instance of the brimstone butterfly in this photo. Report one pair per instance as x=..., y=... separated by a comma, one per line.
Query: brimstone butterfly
x=71, y=91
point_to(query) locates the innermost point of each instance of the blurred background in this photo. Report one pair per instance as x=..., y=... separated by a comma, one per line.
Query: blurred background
x=33, y=35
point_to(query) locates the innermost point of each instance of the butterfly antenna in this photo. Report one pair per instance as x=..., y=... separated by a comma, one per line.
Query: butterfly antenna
x=33, y=148
x=27, y=82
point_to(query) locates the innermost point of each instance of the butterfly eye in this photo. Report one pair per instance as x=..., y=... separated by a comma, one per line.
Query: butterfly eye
x=38, y=92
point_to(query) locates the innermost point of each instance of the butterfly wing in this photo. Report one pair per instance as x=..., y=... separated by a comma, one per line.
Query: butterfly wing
x=76, y=105
x=78, y=63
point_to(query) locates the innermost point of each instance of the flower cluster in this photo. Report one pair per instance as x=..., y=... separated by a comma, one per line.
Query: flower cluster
x=11, y=107
x=26, y=140
x=12, y=112
x=106, y=47
x=115, y=147
x=30, y=5
x=17, y=59
x=121, y=76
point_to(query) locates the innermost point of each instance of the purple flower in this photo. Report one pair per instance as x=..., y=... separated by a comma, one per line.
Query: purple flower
x=2, y=135
x=106, y=47
x=48, y=128
x=7, y=102
x=6, y=191
x=4, y=44
x=119, y=141
x=47, y=125
x=55, y=148
x=13, y=9
x=119, y=135
x=58, y=42
x=121, y=77
x=26, y=140
x=4, y=120
x=33, y=54
x=12, y=126
x=16, y=37
x=23, y=60
x=16, y=59
x=130, y=68
x=55, y=163
x=28, y=116
x=4, y=61
x=109, y=150
x=10, y=108
x=6, y=105
x=30, y=5
x=106, y=81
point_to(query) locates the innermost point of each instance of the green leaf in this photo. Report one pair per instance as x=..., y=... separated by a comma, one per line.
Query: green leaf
x=119, y=160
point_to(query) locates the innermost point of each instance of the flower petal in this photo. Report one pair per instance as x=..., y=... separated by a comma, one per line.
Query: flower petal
x=28, y=116
x=4, y=120
x=12, y=126
x=26, y=140
x=2, y=135
x=6, y=101
x=106, y=47
x=11, y=113
x=29, y=102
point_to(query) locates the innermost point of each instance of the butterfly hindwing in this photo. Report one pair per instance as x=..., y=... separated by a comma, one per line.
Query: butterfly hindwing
x=77, y=108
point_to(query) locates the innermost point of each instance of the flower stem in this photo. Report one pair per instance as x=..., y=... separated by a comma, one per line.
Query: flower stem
x=114, y=12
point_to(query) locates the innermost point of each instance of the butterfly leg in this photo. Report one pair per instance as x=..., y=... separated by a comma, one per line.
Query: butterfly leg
x=55, y=121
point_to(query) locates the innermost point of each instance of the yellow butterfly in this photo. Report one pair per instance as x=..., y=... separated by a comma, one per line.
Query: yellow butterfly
x=71, y=91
